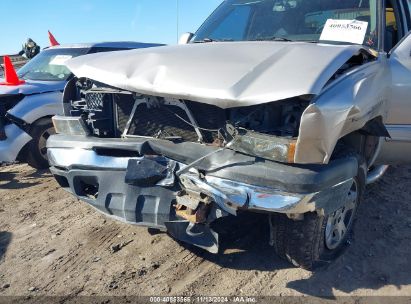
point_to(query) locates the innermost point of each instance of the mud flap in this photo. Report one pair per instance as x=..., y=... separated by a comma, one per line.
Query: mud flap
x=199, y=235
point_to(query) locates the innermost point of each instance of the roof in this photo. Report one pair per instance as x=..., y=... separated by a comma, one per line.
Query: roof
x=113, y=44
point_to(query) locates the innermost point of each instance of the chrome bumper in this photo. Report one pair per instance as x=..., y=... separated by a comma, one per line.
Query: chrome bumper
x=230, y=195
x=12, y=145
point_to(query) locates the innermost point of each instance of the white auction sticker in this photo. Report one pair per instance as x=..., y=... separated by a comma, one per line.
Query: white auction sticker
x=60, y=59
x=344, y=30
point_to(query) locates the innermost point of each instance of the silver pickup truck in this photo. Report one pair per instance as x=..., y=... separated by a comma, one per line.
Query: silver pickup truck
x=285, y=107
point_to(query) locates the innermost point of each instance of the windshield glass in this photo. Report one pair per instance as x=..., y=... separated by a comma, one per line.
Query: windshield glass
x=328, y=21
x=49, y=65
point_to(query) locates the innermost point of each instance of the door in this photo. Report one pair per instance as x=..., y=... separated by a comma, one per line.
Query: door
x=397, y=149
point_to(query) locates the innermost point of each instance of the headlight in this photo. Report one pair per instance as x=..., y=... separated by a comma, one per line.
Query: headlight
x=265, y=146
x=70, y=125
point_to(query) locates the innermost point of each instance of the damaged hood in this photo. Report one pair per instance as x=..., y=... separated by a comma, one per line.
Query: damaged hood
x=31, y=87
x=225, y=74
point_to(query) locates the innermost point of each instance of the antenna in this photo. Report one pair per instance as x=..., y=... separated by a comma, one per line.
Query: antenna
x=178, y=18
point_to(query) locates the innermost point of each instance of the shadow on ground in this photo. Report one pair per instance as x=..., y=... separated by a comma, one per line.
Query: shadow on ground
x=5, y=239
x=10, y=181
x=378, y=255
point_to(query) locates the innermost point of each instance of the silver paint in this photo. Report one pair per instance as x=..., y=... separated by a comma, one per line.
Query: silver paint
x=235, y=74
x=16, y=140
x=230, y=74
x=34, y=107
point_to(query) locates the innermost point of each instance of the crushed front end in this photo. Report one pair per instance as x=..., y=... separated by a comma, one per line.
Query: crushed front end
x=180, y=165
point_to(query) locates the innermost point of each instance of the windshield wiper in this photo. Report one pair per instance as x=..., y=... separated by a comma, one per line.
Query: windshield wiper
x=273, y=38
x=208, y=40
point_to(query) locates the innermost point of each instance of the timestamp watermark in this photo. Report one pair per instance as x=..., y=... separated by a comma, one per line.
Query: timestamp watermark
x=203, y=299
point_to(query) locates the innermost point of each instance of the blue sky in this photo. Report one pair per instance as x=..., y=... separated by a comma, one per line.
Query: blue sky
x=98, y=20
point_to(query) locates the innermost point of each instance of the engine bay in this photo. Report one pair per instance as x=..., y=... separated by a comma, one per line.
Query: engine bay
x=110, y=113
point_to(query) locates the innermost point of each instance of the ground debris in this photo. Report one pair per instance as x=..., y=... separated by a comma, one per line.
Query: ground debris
x=49, y=252
x=117, y=247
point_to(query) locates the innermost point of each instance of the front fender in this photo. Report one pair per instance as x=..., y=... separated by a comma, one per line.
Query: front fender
x=342, y=108
x=11, y=147
x=34, y=107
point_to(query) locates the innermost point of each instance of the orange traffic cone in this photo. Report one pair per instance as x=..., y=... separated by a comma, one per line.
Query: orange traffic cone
x=10, y=75
x=53, y=41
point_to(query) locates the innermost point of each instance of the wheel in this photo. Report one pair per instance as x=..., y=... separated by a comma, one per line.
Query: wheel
x=317, y=239
x=36, y=153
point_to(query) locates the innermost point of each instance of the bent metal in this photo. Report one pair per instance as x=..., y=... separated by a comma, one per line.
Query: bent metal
x=274, y=121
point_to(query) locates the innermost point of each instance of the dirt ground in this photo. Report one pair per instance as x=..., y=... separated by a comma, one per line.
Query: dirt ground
x=52, y=244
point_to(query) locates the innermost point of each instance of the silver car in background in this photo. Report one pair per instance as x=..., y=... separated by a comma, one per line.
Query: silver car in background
x=26, y=109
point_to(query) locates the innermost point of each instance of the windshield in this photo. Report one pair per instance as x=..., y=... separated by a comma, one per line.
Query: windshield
x=328, y=21
x=49, y=65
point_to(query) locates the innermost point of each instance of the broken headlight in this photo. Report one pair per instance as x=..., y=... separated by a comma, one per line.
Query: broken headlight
x=269, y=131
x=261, y=145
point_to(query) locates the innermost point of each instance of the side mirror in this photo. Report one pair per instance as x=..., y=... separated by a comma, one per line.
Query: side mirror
x=185, y=38
x=403, y=48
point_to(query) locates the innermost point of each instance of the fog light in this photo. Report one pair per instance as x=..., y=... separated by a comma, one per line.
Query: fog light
x=70, y=125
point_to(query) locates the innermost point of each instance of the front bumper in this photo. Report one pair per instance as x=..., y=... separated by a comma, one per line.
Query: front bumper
x=15, y=140
x=96, y=171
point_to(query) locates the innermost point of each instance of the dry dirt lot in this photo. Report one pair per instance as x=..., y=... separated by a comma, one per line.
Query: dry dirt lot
x=52, y=244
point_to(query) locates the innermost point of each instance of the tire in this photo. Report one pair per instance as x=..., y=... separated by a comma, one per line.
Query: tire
x=317, y=239
x=36, y=152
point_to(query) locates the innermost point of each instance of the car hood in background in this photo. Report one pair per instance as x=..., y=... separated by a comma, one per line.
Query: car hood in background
x=31, y=87
x=226, y=74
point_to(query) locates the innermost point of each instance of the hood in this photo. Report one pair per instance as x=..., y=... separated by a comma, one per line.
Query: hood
x=225, y=74
x=31, y=87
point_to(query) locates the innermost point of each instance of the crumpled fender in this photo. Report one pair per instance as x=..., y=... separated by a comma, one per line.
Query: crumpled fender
x=342, y=108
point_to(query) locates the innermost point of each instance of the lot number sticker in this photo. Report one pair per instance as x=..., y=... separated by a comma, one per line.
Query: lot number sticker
x=352, y=31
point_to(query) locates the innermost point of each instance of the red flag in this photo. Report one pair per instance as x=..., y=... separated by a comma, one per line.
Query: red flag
x=53, y=41
x=10, y=75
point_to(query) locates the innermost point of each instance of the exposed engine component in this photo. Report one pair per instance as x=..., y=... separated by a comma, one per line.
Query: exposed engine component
x=110, y=112
x=358, y=60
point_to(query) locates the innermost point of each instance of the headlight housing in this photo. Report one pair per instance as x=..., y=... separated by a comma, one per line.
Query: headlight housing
x=70, y=125
x=265, y=146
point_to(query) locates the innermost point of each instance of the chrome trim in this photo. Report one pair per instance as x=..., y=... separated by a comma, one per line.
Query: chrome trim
x=376, y=153
x=399, y=133
x=377, y=173
x=229, y=195
x=77, y=158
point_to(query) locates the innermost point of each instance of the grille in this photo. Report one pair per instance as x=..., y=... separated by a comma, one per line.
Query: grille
x=167, y=121
x=124, y=107
x=208, y=117
x=95, y=101
x=162, y=122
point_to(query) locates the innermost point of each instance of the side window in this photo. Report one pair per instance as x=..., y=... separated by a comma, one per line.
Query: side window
x=391, y=27
x=234, y=26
